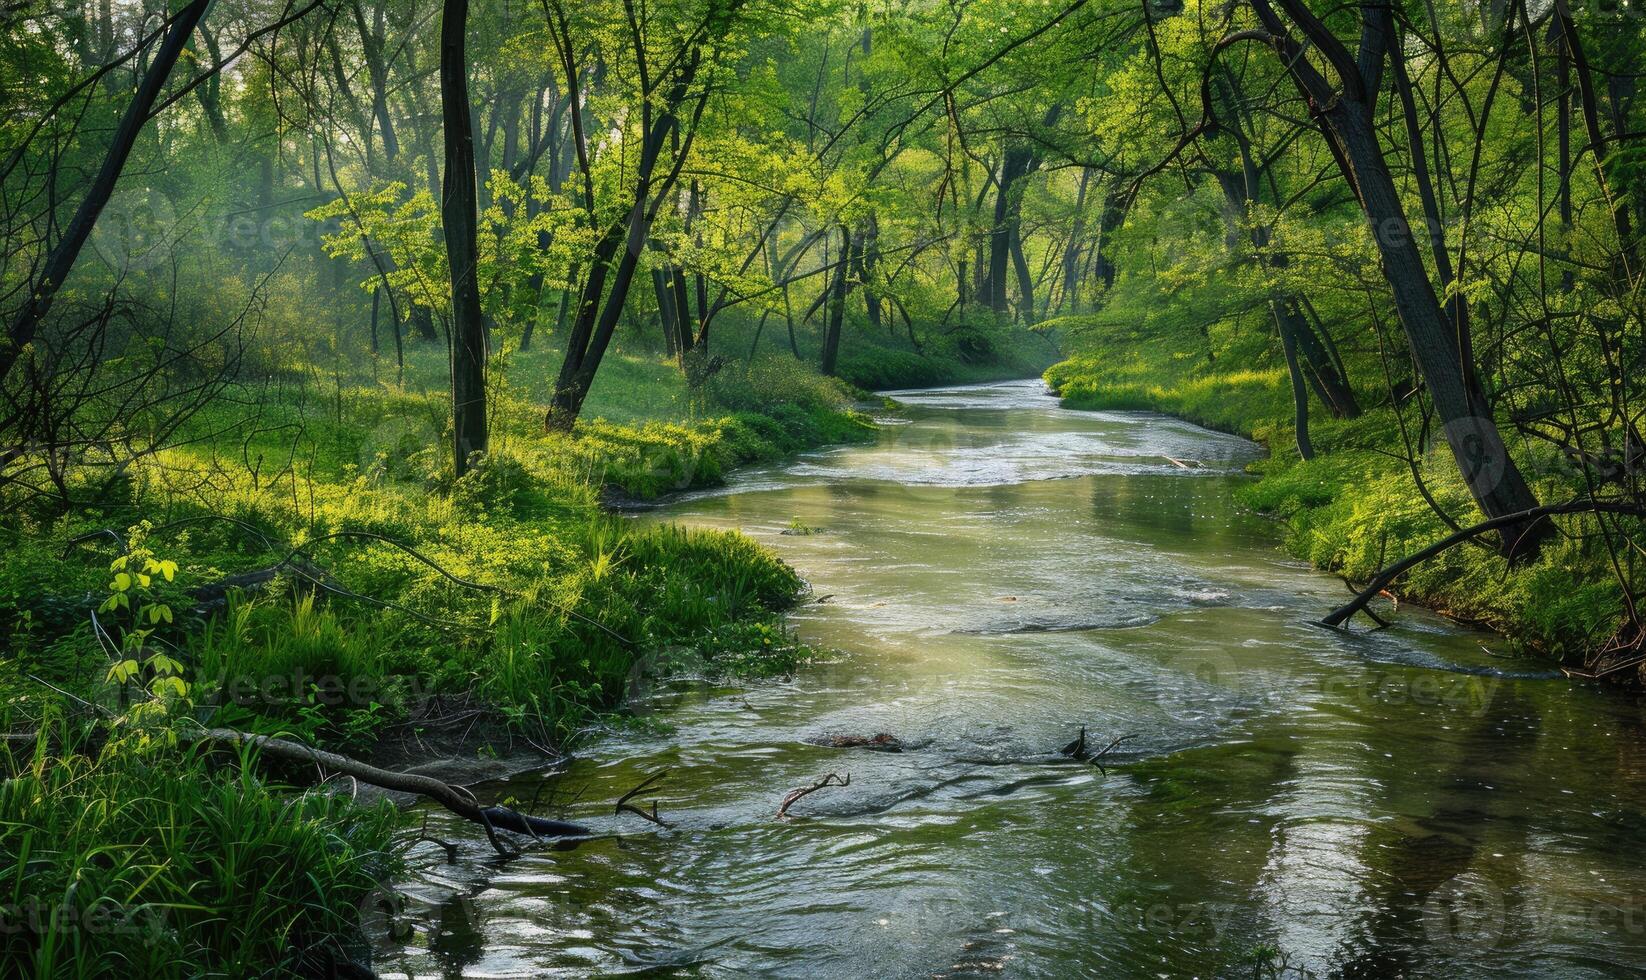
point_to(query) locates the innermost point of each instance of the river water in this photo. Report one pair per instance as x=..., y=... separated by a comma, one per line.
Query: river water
x=998, y=572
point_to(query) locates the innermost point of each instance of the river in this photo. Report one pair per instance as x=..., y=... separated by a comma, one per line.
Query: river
x=996, y=573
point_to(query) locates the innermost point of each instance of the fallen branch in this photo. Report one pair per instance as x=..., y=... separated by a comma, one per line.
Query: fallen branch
x=454, y=798
x=795, y=796
x=624, y=806
x=1097, y=760
x=1078, y=751
x=1385, y=578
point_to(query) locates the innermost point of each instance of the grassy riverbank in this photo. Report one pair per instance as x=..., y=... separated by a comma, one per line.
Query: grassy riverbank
x=378, y=608
x=299, y=562
x=1355, y=507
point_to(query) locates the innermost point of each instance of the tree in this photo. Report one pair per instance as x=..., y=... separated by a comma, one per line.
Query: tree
x=59, y=261
x=1345, y=113
x=457, y=212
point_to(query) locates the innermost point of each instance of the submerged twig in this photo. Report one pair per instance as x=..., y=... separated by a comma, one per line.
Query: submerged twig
x=795, y=796
x=624, y=806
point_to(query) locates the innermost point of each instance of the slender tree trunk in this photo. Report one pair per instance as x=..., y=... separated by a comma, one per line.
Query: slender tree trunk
x=1465, y=413
x=1563, y=125
x=1284, y=323
x=1431, y=204
x=1628, y=260
x=665, y=310
x=1025, y=280
x=1015, y=165
x=60, y=260
x=837, y=304
x=1071, y=253
x=458, y=217
x=1109, y=221
x=681, y=307
x=1345, y=116
x=869, y=258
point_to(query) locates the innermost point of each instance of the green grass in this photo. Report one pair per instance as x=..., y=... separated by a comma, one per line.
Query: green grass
x=162, y=862
x=563, y=610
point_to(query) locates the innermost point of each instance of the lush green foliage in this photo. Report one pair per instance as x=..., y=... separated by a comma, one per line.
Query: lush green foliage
x=168, y=863
x=701, y=227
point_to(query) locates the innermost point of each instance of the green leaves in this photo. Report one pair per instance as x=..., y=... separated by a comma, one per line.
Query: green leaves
x=135, y=613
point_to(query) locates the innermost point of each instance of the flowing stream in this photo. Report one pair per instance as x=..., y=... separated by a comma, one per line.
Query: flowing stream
x=999, y=572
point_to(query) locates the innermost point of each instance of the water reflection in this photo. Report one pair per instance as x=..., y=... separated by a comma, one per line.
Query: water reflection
x=1001, y=572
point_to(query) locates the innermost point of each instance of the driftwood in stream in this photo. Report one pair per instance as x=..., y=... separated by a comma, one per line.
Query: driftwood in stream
x=1080, y=751
x=624, y=806
x=795, y=796
x=882, y=742
x=454, y=798
x=1526, y=518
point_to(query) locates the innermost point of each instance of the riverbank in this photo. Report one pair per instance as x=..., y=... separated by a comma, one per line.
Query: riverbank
x=1356, y=506
x=301, y=564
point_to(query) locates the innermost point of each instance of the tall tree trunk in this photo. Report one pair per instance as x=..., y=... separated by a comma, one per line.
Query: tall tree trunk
x=1025, y=279
x=870, y=257
x=371, y=47
x=1563, y=126
x=1070, y=299
x=458, y=217
x=1285, y=324
x=1015, y=165
x=1628, y=259
x=1297, y=334
x=665, y=310
x=1346, y=115
x=1494, y=480
x=1108, y=222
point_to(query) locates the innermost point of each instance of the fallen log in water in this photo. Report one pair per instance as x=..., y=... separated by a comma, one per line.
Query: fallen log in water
x=882, y=742
x=454, y=798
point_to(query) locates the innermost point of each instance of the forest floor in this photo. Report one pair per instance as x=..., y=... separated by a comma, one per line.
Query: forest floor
x=1356, y=507
x=301, y=564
